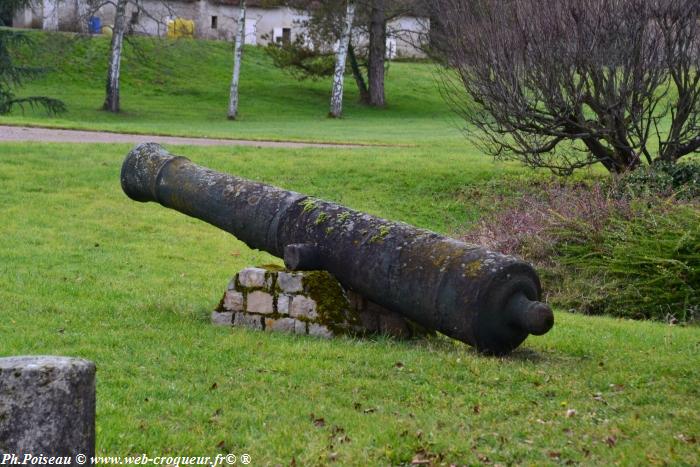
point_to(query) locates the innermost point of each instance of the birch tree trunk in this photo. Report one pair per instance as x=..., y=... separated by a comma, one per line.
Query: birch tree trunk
x=340, y=57
x=115, y=59
x=238, y=52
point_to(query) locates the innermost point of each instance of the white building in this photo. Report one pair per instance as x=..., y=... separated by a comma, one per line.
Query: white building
x=213, y=19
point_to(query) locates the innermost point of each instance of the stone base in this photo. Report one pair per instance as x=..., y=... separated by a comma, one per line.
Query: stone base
x=305, y=302
x=47, y=407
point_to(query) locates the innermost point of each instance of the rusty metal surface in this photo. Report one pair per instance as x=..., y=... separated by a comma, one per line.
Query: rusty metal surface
x=483, y=298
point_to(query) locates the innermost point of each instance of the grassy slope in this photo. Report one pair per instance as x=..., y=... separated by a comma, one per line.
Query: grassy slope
x=88, y=272
x=184, y=91
x=85, y=271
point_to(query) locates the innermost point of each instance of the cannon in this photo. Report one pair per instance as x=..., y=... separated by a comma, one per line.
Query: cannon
x=480, y=297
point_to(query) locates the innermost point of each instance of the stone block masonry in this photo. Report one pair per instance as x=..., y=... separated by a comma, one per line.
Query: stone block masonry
x=308, y=302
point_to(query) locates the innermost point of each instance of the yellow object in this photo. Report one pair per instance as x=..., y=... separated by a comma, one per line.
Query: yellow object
x=179, y=27
x=107, y=30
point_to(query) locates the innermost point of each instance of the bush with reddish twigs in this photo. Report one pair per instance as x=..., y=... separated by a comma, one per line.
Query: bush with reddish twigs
x=600, y=251
x=529, y=228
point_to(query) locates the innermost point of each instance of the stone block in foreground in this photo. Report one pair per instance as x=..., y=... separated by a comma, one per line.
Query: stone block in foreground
x=47, y=406
x=308, y=302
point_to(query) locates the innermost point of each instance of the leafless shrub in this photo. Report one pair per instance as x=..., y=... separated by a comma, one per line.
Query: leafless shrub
x=529, y=227
x=571, y=83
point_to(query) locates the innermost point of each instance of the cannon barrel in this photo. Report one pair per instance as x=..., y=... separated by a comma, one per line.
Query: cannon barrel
x=486, y=299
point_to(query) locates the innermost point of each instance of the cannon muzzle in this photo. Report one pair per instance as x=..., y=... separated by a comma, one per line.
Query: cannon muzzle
x=483, y=298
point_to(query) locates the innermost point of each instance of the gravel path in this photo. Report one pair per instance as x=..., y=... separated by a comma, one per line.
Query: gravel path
x=50, y=135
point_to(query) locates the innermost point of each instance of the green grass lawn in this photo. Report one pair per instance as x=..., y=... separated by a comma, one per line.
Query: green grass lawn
x=182, y=89
x=86, y=272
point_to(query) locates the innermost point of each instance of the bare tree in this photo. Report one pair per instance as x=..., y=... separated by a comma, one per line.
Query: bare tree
x=377, y=15
x=121, y=28
x=571, y=83
x=112, y=98
x=327, y=23
x=338, y=77
x=377, y=52
x=237, y=55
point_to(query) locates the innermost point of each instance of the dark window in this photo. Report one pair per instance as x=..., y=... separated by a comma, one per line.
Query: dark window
x=134, y=17
x=214, y=22
x=286, y=36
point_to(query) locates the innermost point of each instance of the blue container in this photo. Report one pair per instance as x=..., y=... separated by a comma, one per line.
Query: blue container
x=95, y=25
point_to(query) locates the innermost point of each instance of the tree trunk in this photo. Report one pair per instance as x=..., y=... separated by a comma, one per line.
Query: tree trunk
x=111, y=103
x=625, y=160
x=357, y=74
x=338, y=78
x=377, y=53
x=600, y=152
x=237, y=54
x=616, y=160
